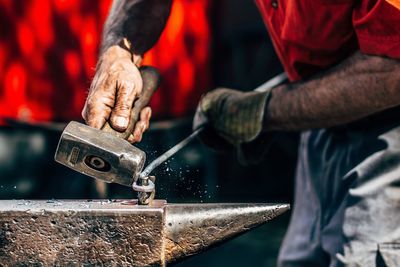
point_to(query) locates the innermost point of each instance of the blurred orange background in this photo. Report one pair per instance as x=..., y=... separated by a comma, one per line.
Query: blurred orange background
x=48, y=52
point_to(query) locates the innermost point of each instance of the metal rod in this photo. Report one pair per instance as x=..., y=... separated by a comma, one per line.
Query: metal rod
x=278, y=79
x=155, y=163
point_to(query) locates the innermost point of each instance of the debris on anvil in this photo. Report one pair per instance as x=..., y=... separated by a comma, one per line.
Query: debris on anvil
x=101, y=232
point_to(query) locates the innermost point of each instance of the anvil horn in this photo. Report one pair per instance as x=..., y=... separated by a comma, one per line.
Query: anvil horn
x=192, y=228
x=118, y=233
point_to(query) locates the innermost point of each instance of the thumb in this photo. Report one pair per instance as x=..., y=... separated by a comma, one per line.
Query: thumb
x=121, y=114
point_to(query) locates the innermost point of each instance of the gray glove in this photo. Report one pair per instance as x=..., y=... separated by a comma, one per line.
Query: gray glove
x=233, y=116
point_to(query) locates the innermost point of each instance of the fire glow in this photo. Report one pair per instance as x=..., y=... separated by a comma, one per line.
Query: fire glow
x=48, y=52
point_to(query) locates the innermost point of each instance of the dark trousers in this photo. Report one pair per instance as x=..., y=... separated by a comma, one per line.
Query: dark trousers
x=347, y=198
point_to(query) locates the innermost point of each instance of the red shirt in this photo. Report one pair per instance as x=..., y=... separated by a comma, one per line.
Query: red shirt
x=312, y=35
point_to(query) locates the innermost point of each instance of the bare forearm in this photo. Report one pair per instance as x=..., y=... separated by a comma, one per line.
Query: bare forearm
x=358, y=87
x=132, y=28
x=139, y=21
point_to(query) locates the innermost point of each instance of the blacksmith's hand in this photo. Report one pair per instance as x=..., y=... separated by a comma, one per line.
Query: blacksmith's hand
x=233, y=116
x=115, y=86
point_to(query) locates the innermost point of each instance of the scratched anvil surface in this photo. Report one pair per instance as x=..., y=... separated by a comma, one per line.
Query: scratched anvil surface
x=119, y=233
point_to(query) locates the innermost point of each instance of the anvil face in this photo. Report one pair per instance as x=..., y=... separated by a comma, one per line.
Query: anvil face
x=119, y=233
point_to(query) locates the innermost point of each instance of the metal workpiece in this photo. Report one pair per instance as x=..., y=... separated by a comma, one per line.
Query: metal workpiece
x=99, y=154
x=119, y=233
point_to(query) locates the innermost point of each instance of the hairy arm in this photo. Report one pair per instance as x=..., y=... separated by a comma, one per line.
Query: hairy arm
x=138, y=21
x=359, y=86
x=132, y=28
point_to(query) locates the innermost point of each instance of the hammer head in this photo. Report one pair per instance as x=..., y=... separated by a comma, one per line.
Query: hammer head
x=99, y=154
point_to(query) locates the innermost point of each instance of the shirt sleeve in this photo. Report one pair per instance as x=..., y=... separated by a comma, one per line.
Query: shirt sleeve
x=377, y=26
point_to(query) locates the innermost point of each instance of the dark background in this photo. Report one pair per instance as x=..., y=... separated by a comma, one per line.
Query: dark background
x=242, y=58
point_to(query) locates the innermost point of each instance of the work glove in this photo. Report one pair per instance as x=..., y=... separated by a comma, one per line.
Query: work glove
x=115, y=86
x=231, y=119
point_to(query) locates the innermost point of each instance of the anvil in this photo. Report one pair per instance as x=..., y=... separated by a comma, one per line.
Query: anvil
x=119, y=232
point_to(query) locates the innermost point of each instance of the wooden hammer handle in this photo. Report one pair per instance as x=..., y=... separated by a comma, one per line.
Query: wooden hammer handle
x=151, y=81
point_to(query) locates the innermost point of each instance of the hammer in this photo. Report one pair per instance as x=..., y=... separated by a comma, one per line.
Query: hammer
x=105, y=154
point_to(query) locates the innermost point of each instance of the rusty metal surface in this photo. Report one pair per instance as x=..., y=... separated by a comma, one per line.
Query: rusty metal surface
x=192, y=228
x=116, y=233
x=80, y=232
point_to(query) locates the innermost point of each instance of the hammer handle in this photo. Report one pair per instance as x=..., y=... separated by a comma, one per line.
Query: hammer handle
x=151, y=81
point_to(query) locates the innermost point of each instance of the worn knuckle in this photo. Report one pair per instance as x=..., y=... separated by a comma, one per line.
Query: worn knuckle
x=109, y=83
x=123, y=96
x=127, y=87
x=115, y=66
x=98, y=80
x=122, y=108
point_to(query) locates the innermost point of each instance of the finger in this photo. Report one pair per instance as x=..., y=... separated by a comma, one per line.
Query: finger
x=131, y=139
x=97, y=121
x=137, y=134
x=96, y=112
x=141, y=127
x=145, y=116
x=135, y=138
x=99, y=102
x=121, y=113
x=126, y=94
